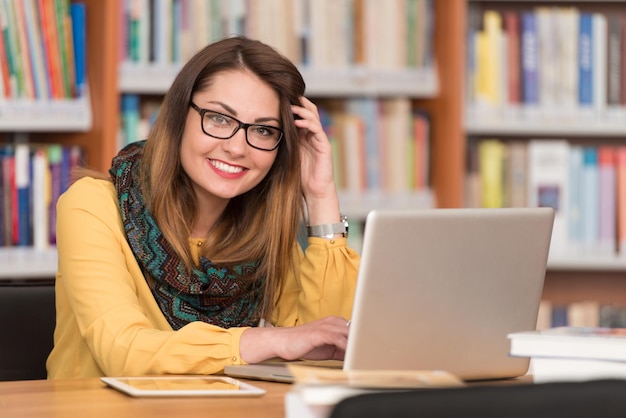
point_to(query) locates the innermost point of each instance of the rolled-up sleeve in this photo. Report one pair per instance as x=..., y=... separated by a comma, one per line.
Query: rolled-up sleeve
x=108, y=322
x=322, y=284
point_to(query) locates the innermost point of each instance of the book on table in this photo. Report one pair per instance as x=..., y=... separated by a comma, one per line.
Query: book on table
x=317, y=390
x=573, y=353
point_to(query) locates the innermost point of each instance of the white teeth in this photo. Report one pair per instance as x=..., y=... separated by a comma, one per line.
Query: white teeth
x=225, y=167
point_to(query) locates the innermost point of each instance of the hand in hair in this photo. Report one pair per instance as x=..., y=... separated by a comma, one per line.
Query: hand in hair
x=318, y=182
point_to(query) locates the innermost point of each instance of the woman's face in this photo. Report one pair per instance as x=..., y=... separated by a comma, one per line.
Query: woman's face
x=221, y=169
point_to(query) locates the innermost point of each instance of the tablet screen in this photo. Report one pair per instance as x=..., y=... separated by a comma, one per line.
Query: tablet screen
x=182, y=386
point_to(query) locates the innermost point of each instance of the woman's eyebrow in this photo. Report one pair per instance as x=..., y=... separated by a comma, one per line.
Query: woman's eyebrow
x=225, y=107
x=234, y=113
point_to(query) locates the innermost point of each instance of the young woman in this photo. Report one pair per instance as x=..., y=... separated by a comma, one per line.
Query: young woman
x=185, y=258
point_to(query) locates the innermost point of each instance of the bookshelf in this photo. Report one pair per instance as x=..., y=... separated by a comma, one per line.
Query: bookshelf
x=443, y=94
x=437, y=92
x=432, y=89
x=90, y=122
x=574, y=277
x=341, y=84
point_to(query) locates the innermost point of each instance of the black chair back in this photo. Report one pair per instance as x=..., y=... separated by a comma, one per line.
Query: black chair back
x=592, y=399
x=27, y=321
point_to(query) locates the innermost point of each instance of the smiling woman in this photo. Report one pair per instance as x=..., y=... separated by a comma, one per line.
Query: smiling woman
x=234, y=165
x=235, y=159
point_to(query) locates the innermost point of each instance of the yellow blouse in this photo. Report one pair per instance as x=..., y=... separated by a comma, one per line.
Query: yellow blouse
x=108, y=322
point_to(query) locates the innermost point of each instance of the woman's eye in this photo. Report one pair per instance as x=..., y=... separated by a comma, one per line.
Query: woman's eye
x=260, y=130
x=219, y=120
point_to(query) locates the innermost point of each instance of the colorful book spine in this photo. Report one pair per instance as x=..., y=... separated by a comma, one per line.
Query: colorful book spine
x=576, y=196
x=606, y=199
x=367, y=109
x=585, y=60
x=3, y=198
x=512, y=28
x=599, y=62
x=55, y=160
x=14, y=52
x=421, y=133
x=52, y=47
x=491, y=58
x=130, y=118
x=44, y=43
x=548, y=185
x=8, y=193
x=530, y=59
x=40, y=198
x=590, y=209
x=5, y=70
x=35, y=47
x=614, y=85
x=65, y=53
x=23, y=186
x=79, y=34
x=621, y=200
x=516, y=172
x=491, y=158
x=622, y=59
x=349, y=128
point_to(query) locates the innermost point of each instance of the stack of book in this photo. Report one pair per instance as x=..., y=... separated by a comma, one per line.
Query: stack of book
x=573, y=353
x=317, y=390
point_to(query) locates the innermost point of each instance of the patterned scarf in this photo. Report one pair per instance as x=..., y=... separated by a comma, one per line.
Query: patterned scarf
x=210, y=294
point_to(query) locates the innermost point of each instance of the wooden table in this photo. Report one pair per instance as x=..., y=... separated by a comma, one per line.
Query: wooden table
x=90, y=398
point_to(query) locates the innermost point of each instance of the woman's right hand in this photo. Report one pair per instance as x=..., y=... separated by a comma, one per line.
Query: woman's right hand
x=324, y=339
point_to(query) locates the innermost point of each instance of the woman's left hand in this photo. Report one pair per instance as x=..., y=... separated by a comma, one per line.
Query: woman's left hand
x=316, y=153
x=318, y=180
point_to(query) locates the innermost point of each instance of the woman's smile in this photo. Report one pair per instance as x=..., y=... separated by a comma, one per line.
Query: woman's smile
x=226, y=169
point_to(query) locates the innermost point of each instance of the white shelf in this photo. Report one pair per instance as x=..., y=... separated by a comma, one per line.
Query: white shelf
x=538, y=121
x=364, y=82
x=357, y=205
x=587, y=263
x=27, y=263
x=45, y=116
x=156, y=79
x=146, y=79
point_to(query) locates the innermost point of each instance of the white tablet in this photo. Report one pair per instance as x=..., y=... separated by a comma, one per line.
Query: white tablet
x=182, y=386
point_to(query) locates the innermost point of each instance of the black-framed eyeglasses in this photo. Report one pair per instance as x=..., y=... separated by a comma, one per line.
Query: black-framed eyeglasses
x=221, y=126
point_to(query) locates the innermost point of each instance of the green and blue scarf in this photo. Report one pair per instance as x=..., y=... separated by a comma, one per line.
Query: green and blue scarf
x=211, y=294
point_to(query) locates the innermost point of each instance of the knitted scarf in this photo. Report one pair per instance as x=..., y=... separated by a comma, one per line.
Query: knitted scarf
x=210, y=294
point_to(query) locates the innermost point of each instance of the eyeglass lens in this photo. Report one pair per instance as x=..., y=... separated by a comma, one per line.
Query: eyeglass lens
x=223, y=126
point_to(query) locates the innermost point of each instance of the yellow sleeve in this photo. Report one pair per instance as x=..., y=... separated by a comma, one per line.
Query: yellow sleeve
x=323, y=283
x=108, y=322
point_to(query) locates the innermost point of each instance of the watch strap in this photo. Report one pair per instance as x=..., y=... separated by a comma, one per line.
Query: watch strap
x=329, y=230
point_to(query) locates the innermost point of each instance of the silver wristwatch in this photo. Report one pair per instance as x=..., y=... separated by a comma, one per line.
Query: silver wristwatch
x=328, y=231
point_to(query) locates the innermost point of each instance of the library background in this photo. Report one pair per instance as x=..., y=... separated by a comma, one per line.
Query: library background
x=428, y=104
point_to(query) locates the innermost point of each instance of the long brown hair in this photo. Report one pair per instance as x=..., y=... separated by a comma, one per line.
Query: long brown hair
x=260, y=225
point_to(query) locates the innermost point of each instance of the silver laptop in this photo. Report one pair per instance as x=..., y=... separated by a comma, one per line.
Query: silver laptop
x=440, y=289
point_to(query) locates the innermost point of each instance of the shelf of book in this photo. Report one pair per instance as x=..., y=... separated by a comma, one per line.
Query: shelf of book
x=69, y=99
x=358, y=205
x=19, y=263
x=28, y=262
x=544, y=85
x=88, y=122
x=438, y=91
x=46, y=116
x=405, y=70
x=540, y=122
x=589, y=263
